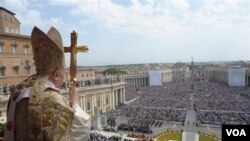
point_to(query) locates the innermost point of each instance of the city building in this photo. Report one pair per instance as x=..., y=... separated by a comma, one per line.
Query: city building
x=16, y=59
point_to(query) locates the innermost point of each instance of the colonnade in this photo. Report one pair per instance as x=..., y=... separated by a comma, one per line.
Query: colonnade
x=112, y=99
x=140, y=81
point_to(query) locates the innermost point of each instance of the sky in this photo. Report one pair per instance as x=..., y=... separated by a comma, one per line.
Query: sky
x=143, y=31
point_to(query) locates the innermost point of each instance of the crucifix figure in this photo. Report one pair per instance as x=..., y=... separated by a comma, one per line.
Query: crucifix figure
x=73, y=49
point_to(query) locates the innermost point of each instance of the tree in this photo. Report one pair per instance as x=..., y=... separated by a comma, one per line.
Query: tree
x=113, y=71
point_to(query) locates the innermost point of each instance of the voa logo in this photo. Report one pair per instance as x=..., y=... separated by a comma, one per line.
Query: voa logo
x=236, y=132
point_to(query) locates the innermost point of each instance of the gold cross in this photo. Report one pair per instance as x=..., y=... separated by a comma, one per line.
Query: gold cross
x=73, y=49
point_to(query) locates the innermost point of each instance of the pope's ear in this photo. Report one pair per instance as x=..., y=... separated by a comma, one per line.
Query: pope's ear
x=56, y=75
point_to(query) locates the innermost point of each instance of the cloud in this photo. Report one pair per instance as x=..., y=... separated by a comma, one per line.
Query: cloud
x=29, y=13
x=180, y=4
x=171, y=28
x=145, y=19
x=163, y=18
x=64, y=2
x=19, y=6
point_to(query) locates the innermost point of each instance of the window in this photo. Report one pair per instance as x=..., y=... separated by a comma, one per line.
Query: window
x=7, y=29
x=15, y=70
x=26, y=50
x=87, y=75
x=1, y=48
x=88, y=106
x=14, y=49
x=26, y=46
x=27, y=71
x=2, y=71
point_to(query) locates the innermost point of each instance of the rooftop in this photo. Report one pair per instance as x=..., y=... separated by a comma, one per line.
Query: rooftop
x=1, y=8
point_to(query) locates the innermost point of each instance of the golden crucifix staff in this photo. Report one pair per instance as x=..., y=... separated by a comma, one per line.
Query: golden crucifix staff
x=73, y=49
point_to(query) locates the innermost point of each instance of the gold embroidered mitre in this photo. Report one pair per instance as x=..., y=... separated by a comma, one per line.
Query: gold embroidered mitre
x=47, y=50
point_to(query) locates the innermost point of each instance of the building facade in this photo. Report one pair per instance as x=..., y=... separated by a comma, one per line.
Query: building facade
x=141, y=79
x=221, y=74
x=16, y=59
x=180, y=72
x=215, y=73
x=104, y=97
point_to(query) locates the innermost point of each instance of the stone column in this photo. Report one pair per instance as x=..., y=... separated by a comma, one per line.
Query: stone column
x=113, y=99
x=95, y=100
x=122, y=95
x=124, y=98
x=102, y=102
x=116, y=98
x=92, y=104
x=81, y=98
x=84, y=104
x=110, y=100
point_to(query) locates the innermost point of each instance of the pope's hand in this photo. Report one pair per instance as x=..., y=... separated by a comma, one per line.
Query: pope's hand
x=74, y=97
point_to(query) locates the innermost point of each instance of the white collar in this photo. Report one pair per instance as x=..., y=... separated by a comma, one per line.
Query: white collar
x=50, y=84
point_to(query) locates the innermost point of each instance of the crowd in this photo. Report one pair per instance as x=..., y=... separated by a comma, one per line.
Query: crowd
x=140, y=125
x=99, y=137
x=95, y=136
x=215, y=103
x=6, y=89
x=150, y=113
x=218, y=118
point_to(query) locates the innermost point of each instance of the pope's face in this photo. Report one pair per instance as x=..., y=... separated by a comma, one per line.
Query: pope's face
x=57, y=77
x=61, y=75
